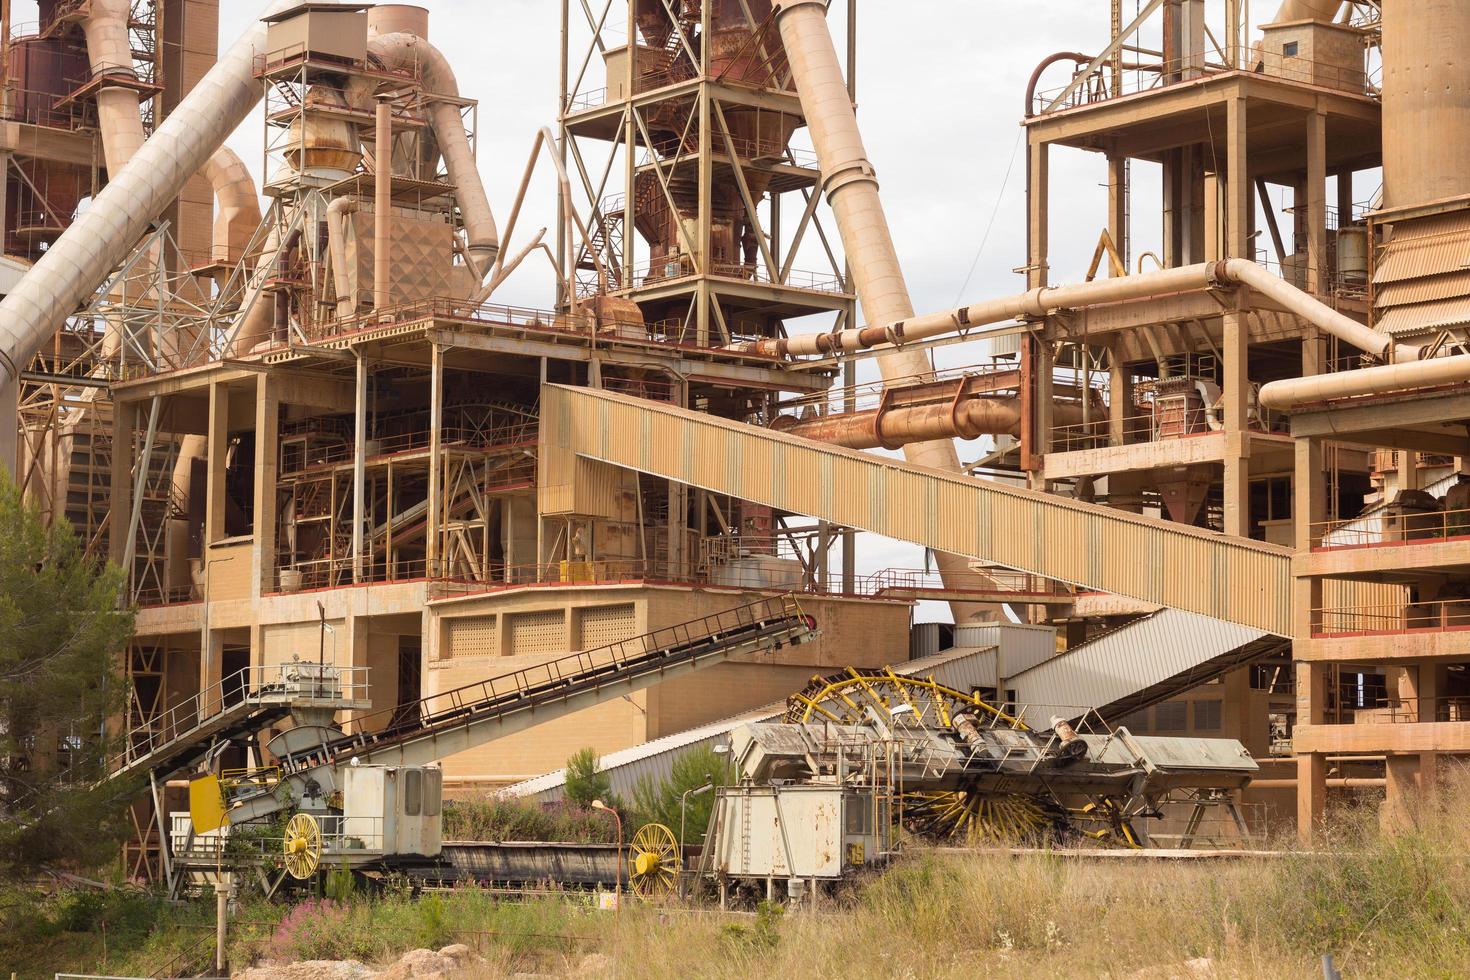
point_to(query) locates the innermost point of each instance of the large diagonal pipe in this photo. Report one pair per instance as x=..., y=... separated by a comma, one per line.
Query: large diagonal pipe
x=852, y=192
x=101, y=236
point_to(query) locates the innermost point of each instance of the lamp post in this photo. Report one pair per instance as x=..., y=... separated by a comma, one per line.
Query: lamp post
x=618, y=884
x=709, y=784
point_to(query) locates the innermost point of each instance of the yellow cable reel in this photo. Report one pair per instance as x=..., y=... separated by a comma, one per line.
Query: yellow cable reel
x=303, y=846
x=654, y=860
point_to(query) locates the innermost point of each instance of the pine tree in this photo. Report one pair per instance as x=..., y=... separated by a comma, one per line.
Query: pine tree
x=62, y=634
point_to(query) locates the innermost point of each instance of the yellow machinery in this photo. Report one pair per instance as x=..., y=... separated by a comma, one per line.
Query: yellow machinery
x=654, y=861
x=303, y=846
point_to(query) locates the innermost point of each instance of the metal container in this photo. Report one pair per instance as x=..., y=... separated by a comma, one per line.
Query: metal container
x=393, y=809
x=1352, y=253
x=398, y=18
x=796, y=831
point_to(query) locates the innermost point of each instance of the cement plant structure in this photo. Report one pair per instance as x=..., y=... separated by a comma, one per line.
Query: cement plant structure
x=1226, y=487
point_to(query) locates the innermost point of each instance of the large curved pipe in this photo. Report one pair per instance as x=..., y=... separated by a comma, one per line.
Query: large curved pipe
x=110, y=54
x=1432, y=373
x=343, y=278
x=139, y=191
x=1294, y=10
x=237, y=205
x=851, y=186
x=1035, y=80
x=1045, y=299
x=408, y=51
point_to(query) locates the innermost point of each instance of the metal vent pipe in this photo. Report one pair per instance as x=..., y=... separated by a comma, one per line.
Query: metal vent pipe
x=852, y=192
x=138, y=192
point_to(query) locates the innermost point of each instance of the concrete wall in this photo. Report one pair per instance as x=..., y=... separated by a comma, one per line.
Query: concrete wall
x=860, y=633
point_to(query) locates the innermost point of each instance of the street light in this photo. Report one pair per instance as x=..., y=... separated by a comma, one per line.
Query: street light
x=709, y=784
x=618, y=884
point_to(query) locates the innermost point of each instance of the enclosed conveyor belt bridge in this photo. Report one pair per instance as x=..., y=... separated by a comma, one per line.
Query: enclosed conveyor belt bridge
x=583, y=431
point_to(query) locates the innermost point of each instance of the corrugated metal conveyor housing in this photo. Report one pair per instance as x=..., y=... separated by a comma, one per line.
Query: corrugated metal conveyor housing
x=1145, y=662
x=1090, y=546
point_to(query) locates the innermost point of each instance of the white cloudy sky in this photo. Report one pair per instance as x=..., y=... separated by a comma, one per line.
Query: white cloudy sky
x=941, y=87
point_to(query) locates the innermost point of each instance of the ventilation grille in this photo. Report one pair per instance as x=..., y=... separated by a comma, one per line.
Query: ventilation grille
x=537, y=634
x=602, y=625
x=472, y=636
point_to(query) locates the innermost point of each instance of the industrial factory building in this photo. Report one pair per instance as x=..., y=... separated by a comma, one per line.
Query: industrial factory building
x=1223, y=488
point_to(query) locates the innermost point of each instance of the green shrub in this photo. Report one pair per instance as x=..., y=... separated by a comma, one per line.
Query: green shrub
x=584, y=781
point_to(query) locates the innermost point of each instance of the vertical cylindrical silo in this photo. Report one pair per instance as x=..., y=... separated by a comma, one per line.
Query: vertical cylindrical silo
x=1426, y=100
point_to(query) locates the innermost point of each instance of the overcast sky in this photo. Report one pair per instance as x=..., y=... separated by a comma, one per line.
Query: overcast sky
x=940, y=85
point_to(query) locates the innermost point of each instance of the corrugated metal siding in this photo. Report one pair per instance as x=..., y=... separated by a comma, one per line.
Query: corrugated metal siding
x=1239, y=581
x=1118, y=664
x=1425, y=247
x=1021, y=646
x=1421, y=277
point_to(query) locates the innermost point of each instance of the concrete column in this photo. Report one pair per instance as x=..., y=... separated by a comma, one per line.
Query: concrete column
x=1311, y=773
x=1421, y=687
x=1238, y=182
x=359, y=467
x=1237, y=437
x=1317, y=271
x=1237, y=328
x=1120, y=396
x=436, y=465
x=1401, y=784
x=267, y=453
x=1038, y=196
x=215, y=454
x=1118, y=205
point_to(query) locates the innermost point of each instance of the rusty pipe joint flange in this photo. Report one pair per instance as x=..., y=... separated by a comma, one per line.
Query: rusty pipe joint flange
x=893, y=333
x=1219, y=277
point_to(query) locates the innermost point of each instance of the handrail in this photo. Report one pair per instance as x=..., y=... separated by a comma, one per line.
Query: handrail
x=251, y=686
x=779, y=619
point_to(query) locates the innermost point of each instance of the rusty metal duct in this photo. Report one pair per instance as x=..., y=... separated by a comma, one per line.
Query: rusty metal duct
x=852, y=192
x=894, y=428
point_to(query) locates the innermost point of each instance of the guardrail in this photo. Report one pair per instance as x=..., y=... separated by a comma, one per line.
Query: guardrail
x=1391, y=526
x=255, y=685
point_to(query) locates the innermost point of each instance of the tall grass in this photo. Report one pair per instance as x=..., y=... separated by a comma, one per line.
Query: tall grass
x=1396, y=906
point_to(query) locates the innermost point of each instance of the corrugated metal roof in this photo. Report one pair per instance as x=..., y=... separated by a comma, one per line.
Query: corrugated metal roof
x=1423, y=318
x=1425, y=247
x=962, y=668
x=1447, y=285
x=1118, y=665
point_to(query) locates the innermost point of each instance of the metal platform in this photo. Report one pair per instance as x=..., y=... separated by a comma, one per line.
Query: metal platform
x=239, y=705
